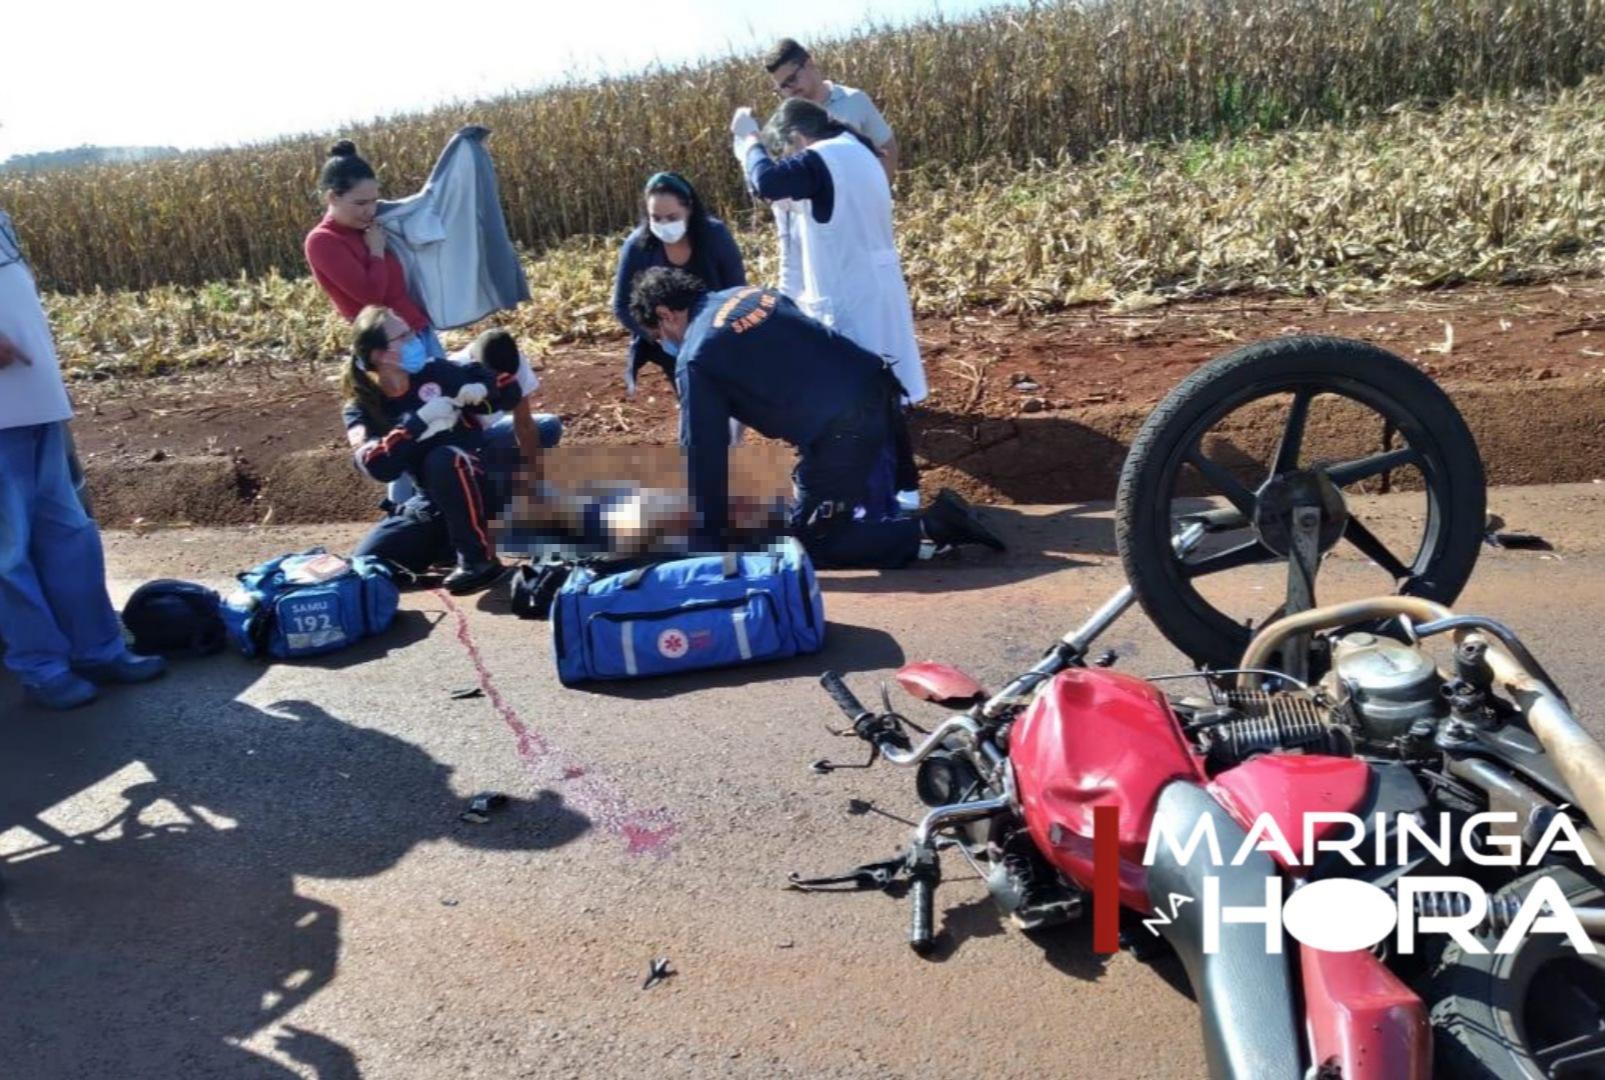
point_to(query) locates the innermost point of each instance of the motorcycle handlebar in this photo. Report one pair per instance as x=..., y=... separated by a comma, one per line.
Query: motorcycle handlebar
x=921, y=928
x=884, y=732
x=843, y=697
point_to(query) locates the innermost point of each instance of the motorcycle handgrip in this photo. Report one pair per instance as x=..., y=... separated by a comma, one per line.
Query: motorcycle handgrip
x=843, y=697
x=921, y=929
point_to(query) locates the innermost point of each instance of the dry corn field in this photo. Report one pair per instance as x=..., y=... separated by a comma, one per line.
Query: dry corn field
x=1508, y=190
x=1018, y=86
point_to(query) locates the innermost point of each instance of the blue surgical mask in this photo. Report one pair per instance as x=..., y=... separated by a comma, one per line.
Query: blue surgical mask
x=670, y=347
x=413, y=356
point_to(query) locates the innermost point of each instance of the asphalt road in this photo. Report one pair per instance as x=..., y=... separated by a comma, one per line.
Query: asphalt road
x=259, y=871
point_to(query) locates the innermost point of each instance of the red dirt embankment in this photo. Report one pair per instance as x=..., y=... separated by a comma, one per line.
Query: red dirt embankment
x=1025, y=412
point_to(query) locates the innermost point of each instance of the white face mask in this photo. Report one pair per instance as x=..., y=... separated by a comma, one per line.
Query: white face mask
x=670, y=232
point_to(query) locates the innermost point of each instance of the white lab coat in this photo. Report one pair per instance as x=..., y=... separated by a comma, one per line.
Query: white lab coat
x=851, y=278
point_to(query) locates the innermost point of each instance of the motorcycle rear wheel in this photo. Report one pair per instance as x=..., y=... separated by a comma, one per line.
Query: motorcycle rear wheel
x=1535, y=1014
x=1171, y=458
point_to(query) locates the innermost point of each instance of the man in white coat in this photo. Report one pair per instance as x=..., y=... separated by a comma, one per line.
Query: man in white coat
x=795, y=75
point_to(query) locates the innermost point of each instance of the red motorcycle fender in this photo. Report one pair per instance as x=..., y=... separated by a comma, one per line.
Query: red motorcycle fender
x=1363, y=1019
x=929, y=681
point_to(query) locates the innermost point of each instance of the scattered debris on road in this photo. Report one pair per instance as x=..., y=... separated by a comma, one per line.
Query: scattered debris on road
x=1495, y=536
x=468, y=692
x=657, y=972
x=482, y=805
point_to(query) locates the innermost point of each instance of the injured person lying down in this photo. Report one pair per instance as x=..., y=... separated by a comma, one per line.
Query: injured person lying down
x=631, y=500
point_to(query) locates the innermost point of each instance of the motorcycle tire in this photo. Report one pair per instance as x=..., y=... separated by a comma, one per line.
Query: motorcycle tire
x=1482, y=1005
x=1372, y=376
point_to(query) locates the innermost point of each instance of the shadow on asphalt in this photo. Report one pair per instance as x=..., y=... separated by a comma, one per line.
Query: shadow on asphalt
x=1068, y=947
x=154, y=921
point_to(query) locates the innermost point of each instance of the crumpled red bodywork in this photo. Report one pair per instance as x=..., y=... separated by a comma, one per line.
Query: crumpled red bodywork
x=1097, y=738
x=1286, y=787
x=1101, y=738
x=1363, y=1018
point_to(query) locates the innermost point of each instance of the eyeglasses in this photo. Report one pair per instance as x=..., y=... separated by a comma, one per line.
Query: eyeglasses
x=789, y=83
x=400, y=337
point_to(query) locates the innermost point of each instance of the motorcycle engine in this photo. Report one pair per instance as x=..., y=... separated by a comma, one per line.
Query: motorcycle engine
x=1387, y=684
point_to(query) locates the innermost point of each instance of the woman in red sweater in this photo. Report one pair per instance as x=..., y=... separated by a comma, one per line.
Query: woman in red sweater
x=347, y=250
x=351, y=263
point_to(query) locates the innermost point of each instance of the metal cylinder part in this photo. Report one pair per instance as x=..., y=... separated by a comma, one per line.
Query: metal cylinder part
x=1578, y=758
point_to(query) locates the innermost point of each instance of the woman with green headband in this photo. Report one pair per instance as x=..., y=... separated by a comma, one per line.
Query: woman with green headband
x=675, y=230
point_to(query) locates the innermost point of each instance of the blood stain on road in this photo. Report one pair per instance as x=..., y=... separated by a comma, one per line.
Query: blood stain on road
x=645, y=832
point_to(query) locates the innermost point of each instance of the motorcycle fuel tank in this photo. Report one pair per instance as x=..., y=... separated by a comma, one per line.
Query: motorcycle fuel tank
x=1097, y=738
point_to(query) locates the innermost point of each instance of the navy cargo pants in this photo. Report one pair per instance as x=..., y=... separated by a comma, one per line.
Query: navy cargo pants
x=832, y=480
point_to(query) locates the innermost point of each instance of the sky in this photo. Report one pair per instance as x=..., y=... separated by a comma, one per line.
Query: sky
x=190, y=74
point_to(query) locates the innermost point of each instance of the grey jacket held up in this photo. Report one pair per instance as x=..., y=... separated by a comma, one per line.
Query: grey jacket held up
x=452, y=238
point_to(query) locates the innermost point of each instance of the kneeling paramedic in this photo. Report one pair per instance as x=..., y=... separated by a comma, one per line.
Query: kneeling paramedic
x=751, y=355
x=407, y=414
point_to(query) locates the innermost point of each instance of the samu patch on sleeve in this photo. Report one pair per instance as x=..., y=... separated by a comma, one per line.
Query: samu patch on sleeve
x=746, y=309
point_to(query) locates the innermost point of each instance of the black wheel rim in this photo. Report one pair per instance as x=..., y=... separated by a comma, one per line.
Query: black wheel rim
x=1412, y=575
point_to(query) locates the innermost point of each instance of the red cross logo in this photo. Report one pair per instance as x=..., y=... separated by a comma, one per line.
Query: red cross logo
x=672, y=644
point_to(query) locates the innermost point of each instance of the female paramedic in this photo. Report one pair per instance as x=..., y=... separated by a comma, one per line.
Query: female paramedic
x=408, y=414
x=353, y=266
x=675, y=230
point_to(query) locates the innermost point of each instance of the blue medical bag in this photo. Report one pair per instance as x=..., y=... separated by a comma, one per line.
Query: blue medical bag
x=309, y=604
x=702, y=611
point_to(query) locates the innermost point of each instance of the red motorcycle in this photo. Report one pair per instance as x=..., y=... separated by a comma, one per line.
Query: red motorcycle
x=1077, y=788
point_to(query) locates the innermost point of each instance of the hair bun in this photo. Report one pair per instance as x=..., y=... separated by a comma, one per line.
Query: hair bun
x=343, y=148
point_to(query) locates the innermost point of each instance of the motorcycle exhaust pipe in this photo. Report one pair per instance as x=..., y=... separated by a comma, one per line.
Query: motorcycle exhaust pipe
x=1577, y=756
x=1270, y=638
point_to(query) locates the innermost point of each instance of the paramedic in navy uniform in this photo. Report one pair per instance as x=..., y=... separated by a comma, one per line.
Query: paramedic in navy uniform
x=409, y=414
x=749, y=354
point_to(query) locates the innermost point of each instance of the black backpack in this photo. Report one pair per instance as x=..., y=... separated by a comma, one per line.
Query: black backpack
x=174, y=618
x=535, y=584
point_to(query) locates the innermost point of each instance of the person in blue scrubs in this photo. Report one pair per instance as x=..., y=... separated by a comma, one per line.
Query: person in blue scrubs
x=62, y=636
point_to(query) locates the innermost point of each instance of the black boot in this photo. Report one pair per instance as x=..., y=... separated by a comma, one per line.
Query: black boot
x=949, y=520
x=471, y=577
